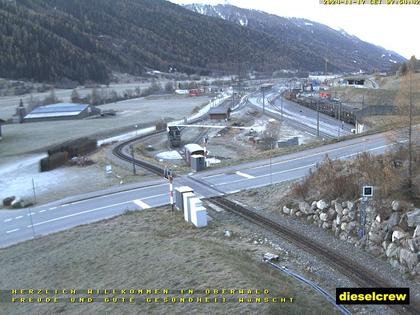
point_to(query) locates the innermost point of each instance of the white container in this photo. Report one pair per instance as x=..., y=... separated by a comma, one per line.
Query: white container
x=186, y=202
x=199, y=217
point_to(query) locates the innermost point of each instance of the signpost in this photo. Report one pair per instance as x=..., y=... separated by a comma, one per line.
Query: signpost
x=367, y=192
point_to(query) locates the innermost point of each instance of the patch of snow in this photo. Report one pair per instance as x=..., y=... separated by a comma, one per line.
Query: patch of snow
x=169, y=155
x=393, y=61
x=212, y=161
x=243, y=22
x=309, y=24
x=126, y=136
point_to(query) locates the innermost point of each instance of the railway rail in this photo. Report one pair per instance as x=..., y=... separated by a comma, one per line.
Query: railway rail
x=359, y=274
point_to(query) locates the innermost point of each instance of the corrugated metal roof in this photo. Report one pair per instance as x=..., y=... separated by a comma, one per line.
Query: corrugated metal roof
x=57, y=110
x=193, y=147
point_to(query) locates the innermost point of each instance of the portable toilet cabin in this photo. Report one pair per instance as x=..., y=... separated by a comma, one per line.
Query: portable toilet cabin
x=198, y=163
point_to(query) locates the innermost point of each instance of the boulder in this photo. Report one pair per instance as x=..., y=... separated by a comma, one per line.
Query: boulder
x=323, y=217
x=352, y=215
x=292, y=212
x=395, y=205
x=346, y=211
x=408, y=258
x=375, y=238
x=322, y=204
x=416, y=231
x=338, y=208
x=413, y=217
x=378, y=218
x=326, y=225
x=298, y=214
x=388, y=236
x=343, y=226
x=338, y=220
x=345, y=218
x=417, y=269
x=392, y=251
x=351, y=206
x=286, y=210
x=393, y=220
x=371, y=211
x=332, y=214
x=414, y=244
x=351, y=226
x=398, y=235
x=305, y=208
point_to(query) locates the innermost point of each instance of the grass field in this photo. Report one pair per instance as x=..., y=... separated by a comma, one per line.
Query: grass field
x=153, y=249
x=30, y=137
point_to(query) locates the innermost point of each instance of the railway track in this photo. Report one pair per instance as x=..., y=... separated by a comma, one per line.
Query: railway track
x=354, y=271
x=118, y=151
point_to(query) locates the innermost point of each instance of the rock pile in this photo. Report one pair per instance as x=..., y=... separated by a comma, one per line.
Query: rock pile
x=392, y=233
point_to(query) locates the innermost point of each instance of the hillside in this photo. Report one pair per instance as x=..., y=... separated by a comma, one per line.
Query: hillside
x=308, y=41
x=82, y=40
x=48, y=40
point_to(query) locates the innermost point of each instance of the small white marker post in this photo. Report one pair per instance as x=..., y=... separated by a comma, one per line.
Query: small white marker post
x=171, y=188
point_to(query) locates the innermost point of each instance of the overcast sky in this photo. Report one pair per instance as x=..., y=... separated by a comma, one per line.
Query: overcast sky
x=393, y=27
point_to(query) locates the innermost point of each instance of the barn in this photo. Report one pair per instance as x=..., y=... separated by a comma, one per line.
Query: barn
x=61, y=111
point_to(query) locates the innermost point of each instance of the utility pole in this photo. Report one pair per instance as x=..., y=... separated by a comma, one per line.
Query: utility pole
x=317, y=119
x=410, y=144
x=132, y=158
x=33, y=189
x=281, y=103
x=271, y=173
x=263, y=100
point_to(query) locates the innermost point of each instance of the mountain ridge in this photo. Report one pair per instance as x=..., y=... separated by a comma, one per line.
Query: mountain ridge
x=51, y=40
x=323, y=39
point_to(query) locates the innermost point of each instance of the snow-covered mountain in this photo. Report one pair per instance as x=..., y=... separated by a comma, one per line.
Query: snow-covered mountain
x=305, y=40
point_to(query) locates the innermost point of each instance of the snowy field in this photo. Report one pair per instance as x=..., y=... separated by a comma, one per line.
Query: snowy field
x=29, y=137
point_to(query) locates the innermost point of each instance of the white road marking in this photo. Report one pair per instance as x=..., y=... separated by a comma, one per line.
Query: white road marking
x=52, y=208
x=244, y=175
x=8, y=220
x=302, y=167
x=307, y=156
x=269, y=174
x=155, y=196
x=141, y=204
x=19, y=217
x=234, y=191
x=211, y=176
x=12, y=231
x=79, y=213
x=113, y=194
x=42, y=211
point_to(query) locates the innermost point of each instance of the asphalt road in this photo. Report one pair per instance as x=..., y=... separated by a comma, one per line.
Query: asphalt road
x=300, y=117
x=15, y=225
